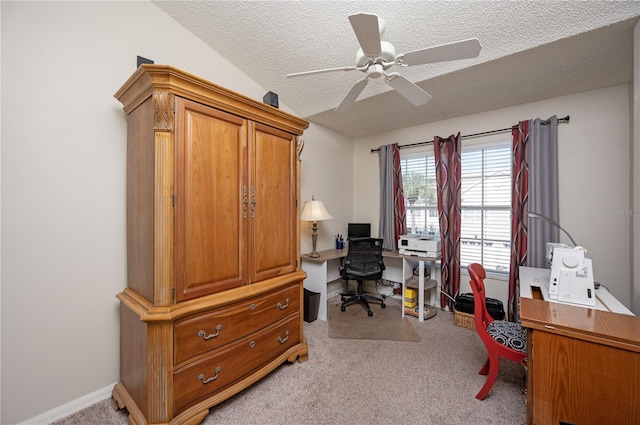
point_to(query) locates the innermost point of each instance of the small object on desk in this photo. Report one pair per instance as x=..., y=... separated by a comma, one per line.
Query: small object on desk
x=427, y=272
x=429, y=311
x=419, y=243
x=418, y=253
x=410, y=298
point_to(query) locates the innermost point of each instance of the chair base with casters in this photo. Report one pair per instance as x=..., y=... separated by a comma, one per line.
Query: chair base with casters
x=361, y=297
x=501, y=338
x=363, y=262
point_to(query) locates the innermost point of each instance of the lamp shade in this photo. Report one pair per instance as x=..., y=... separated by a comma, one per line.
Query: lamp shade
x=314, y=211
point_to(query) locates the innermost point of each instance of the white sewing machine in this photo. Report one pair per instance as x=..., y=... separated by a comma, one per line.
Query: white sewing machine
x=571, y=279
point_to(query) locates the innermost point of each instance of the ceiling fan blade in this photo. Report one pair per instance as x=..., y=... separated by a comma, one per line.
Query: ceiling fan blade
x=406, y=88
x=464, y=49
x=321, y=71
x=365, y=25
x=351, y=97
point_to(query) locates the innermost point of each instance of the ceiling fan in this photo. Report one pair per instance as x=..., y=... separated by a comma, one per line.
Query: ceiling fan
x=376, y=56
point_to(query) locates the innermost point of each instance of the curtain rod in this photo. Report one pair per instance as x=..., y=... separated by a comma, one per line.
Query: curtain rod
x=410, y=145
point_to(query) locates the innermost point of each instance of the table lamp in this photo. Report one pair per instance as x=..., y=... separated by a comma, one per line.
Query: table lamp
x=314, y=211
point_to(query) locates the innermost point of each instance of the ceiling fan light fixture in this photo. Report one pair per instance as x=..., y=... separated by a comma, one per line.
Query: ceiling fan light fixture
x=387, y=55
x=375, y=71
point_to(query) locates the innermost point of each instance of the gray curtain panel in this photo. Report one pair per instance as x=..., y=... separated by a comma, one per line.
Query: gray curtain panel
x=543, y=189
x=386, y=229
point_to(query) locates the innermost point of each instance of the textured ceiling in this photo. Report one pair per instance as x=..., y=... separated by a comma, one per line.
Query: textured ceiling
x=530, y=51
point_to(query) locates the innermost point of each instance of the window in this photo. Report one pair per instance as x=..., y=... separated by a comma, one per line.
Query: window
x=485, y=235
x=421, y=202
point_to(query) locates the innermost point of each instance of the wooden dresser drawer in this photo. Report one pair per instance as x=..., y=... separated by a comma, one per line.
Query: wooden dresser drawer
x=234, y=361
x=210, y=330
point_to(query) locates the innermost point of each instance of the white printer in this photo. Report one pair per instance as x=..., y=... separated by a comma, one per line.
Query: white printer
x=419, y=245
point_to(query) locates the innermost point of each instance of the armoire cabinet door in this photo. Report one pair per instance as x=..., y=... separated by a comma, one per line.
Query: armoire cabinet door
x=211, y=201
x=273, y=187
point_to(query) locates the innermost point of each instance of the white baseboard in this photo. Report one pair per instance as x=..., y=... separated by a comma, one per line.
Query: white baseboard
x=71, y=407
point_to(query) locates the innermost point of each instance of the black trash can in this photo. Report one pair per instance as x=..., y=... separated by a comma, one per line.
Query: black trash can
x=311, y=305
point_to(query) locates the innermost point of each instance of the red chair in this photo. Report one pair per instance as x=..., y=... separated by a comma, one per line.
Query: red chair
x=500, y=337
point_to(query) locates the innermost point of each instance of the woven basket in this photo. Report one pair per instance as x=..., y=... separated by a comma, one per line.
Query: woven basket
x=464, y=320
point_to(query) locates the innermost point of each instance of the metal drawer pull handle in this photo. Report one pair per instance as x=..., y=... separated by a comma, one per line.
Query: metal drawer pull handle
x=252, y=306
x=245, y=201
x=283, y=340
x=252, y=344
x=206, y=381
x=253, y=201
x=205, y=336
x=282, y=307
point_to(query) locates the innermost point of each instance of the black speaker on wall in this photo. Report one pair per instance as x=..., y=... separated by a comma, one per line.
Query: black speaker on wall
x=271, y=99
x=140, y=60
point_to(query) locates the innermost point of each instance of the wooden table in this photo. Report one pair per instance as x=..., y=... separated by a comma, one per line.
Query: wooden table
x=583, y=363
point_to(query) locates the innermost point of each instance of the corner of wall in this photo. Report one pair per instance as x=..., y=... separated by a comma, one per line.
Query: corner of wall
x=635, y=184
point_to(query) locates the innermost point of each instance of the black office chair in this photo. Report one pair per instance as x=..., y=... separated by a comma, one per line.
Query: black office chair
x=363, y=262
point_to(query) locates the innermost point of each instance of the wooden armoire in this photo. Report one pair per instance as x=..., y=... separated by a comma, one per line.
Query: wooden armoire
x=214, y=288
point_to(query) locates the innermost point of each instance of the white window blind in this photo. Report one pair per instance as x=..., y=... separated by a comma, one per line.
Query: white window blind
x=486, y=203
x=421, y=202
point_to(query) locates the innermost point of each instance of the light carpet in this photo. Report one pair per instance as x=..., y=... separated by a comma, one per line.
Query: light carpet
x=364, y=382
x=385, y=324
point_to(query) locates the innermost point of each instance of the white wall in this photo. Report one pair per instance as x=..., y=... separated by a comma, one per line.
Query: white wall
x=635, y=117
x=63, y=186
x=595, y=171
x=327, y=159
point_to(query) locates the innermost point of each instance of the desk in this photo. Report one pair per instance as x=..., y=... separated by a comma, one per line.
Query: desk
x=583, y=363
x=320, y=271
x=433, y=283
x=537, y=280
x=326, y=268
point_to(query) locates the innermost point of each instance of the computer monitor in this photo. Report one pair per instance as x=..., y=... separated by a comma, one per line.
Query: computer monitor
x=358, y=230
